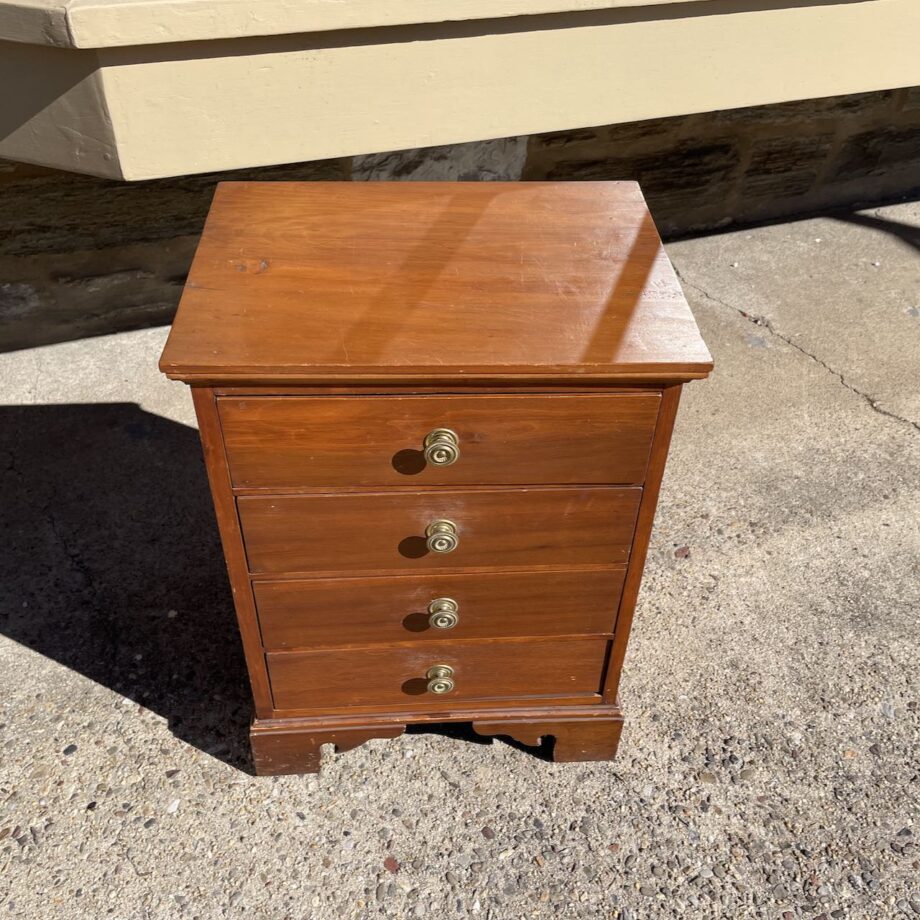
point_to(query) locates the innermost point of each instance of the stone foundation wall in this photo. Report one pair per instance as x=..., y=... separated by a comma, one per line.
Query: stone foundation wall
x=710, y=171
x=82, y=256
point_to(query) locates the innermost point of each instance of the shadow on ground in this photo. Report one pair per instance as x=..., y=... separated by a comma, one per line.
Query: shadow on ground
x=906, y=233
x=108, y=526
x=112, y=566
x=463, y=731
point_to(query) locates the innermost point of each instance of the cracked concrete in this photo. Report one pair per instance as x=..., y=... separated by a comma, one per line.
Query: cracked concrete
x=768, y=763
x=763, y=322
x=844, y=290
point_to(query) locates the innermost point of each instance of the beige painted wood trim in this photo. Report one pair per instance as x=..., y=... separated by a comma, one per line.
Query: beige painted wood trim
x=54, y=110
x=292, y=98
x=112, y=23
x=172, y=109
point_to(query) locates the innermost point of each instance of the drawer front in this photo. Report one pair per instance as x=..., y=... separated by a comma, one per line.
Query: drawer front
x=396, y=675
x=357, y=611
x=330, y=442
x=386, y=531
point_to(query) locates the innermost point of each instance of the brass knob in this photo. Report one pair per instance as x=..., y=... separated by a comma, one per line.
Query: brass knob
x=445, y=613
x=440, y=678
x=441, y=447
x=442, y=537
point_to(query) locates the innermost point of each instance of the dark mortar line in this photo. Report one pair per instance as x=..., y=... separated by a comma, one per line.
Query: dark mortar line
x=764, y=323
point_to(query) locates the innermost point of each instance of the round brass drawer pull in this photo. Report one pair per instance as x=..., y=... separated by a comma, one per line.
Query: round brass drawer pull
x=445, y=613
x=441, y=447
x=442, y=537
x=440, y=678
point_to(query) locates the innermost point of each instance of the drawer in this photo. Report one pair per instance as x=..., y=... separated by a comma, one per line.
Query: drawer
x=386, y=531
x=396, y=675
x=329, y=442
x=358, y=611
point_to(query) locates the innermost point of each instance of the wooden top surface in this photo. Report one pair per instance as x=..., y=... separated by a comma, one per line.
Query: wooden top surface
x=334, y=282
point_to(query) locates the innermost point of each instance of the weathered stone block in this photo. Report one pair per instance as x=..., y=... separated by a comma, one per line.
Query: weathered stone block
x=807, y=111
x=48, y=211
x=65, y=295
x=557, y=139
x=689, y=166
x=785, y=166
x=615, y=138
x=873, y=152
x=482, y=161
x=689, y=177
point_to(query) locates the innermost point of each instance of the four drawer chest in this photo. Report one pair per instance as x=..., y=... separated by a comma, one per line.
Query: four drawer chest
x=435, y=418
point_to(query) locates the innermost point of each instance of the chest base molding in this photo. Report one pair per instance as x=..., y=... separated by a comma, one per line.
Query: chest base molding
x=283, y=746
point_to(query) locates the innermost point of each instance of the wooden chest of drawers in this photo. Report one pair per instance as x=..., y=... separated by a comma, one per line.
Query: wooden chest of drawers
x=435, y=418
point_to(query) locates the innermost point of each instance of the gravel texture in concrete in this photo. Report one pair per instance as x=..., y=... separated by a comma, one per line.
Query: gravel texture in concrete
x=768, y=767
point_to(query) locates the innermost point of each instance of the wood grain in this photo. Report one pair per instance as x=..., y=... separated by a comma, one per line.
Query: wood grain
x=395, y=675
x=292, y=744
x=234, y=554
x=275, y=752
x=358, y=611
x=327, y=328
x=292, y=442
x=386, y=531
x=575, y=740
x=643, y=533
x=330, y=282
